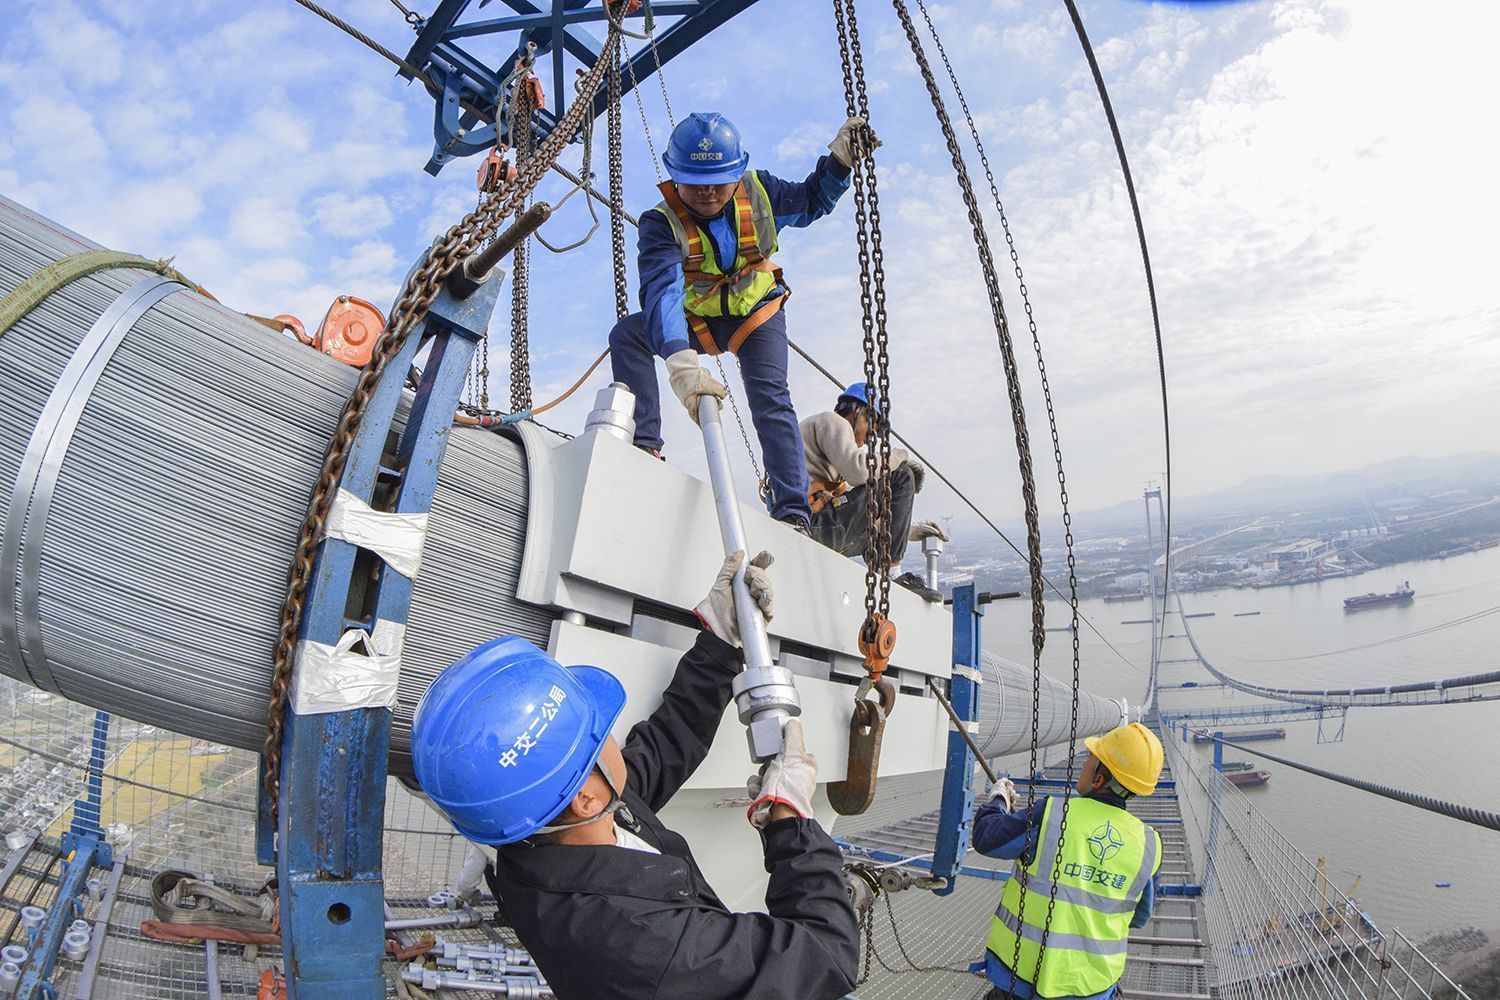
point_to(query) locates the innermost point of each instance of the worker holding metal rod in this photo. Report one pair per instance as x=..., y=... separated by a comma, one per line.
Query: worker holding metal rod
x=516, y=751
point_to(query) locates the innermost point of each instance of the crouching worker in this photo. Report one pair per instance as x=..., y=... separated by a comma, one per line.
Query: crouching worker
x=1105, y=868
x=516, y=751
x=833, y=444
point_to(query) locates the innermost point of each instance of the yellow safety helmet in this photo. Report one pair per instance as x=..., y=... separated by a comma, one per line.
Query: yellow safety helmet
x=1133, y=755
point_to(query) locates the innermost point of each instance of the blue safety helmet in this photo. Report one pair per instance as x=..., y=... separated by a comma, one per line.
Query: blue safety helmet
x=705, y=149
x=858, y=393
x=503, y=739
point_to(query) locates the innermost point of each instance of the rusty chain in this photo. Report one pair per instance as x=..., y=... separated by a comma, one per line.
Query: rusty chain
x=421, y=289
x=522, y=110
x=873, y=316
x=1023, y=446
x=617, y=189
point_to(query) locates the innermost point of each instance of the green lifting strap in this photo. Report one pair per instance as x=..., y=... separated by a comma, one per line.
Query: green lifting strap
x=29, y=294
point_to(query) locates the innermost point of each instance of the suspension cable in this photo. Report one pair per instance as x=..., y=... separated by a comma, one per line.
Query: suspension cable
x=1468, y=814
x=1140, y=230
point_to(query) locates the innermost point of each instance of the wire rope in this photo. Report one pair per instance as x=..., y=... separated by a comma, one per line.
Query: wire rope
x=1464, y=620
x=1140, y=229
x=1468, y=814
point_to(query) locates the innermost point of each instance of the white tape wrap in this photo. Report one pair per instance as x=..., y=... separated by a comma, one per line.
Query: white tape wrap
x=969, y=672
x=396, y=538
x=360, y=672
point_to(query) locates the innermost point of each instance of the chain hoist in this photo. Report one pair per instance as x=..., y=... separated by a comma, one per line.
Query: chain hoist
x=421, y=289
x=617, y=189
x=877, y=635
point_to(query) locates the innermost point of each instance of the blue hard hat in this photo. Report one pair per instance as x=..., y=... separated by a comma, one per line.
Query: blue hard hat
x=705, y=149
x=861, y=393
x=503, y=739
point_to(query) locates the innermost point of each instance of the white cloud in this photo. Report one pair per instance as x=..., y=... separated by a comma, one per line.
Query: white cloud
x=342, y=215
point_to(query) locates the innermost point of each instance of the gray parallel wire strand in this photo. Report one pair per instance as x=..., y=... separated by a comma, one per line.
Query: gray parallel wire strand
x=833, y=379
x=204, y=419
x=197, y=451
x=1468, y=814
x=1140, y=230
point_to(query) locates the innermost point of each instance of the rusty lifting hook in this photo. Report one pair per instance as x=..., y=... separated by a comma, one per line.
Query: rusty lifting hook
x=856, y=792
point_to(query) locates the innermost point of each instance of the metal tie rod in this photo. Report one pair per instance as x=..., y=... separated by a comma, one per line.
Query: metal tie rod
x=764, y=693
x=467, y=276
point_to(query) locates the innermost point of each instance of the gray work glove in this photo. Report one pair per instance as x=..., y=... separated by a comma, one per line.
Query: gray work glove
x=717, y=609
x=790, y=778
x=471, y=875
x=918, y=476
x=1003, y=791
x=689, y=380
x=927, y=529
x=855, y=140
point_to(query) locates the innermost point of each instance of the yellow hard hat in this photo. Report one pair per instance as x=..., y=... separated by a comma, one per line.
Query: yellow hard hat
x=1133, y=755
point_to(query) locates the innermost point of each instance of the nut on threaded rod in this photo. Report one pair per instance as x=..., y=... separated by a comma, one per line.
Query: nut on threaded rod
x=467, y=276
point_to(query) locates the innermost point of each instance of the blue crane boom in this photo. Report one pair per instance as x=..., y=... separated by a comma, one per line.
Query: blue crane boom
x=559, y=30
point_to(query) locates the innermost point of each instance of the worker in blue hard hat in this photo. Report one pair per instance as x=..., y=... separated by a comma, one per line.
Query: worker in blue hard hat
x=1085, y=874
x=708, y=285
x=839, y=494
x=516, y=751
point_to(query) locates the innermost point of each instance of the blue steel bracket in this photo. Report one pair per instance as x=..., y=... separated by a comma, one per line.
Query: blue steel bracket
x=65, y=907
x=87, y=811
x=333, y=764
x=956, y=816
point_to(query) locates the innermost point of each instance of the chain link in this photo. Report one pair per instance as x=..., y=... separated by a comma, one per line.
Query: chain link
x=522, y=110
x=873, y=316
x=617, y=190
x=1023, y=451
x=421, y=289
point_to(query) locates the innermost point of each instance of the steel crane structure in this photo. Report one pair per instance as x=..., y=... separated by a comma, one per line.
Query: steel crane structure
x=443, y=50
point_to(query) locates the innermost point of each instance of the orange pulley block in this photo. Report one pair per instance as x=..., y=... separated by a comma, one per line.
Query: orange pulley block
x=877, y=640
x=349, y=331
x=495, y=171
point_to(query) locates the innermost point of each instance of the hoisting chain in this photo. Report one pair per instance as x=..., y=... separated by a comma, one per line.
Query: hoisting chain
x=617, y=188
x=1062, y=482
x=867, y=929
x=877, y=634
x=522, y=109
x=1023, y=450
x=421, y=290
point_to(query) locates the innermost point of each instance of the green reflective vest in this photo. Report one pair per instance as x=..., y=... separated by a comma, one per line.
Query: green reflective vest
x=1100, y=870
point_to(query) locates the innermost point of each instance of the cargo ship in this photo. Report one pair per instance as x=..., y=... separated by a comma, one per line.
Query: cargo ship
x=1401, y=595
x=1249, y=778
x=1278, y=733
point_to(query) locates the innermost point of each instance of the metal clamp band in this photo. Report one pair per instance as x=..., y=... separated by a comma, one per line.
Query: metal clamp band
x=31, y=499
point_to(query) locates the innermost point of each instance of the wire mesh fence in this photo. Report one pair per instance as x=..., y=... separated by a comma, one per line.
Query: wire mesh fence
x=166, y=802
x=1276, y=926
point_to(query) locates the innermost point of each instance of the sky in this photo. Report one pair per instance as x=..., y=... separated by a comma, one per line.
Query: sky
x=1315, y=178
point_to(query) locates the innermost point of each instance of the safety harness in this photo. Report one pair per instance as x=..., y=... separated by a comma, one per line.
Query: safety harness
x=706, y=286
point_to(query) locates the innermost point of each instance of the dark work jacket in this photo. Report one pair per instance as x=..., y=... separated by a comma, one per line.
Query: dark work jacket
x=611, y=923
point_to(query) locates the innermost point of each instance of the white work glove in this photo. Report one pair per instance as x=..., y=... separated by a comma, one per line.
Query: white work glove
x=471, y=875
x=789, y=778
x=689, y=380
x=1004, y=791
x=918, y=476
x=717, y=609
x=927, y=529
x=855, y=139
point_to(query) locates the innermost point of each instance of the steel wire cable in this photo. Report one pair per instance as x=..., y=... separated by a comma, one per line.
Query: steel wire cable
x=1334, y=695
x=1430, y=629
x=1468, y=814
x=1140, y=229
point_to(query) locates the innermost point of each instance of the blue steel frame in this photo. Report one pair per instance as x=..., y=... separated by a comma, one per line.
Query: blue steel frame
x=84, y=841
x=558, y=31
x=333, y=765
x=956, y=815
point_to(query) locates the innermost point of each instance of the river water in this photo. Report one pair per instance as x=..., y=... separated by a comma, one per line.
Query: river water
x=1451, y=752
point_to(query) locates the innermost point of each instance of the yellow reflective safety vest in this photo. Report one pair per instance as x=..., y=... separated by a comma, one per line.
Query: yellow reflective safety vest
x=1100, y=870
x=712, y=292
